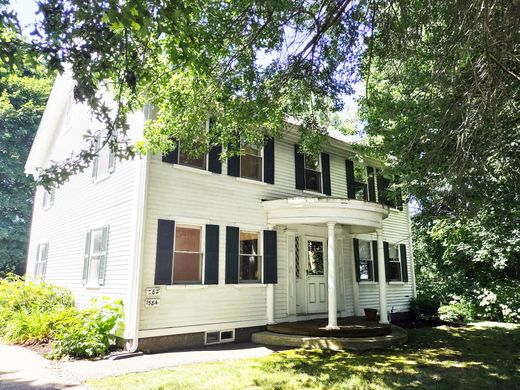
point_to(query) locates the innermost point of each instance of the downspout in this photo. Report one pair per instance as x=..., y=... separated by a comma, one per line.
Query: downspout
x=410, y=243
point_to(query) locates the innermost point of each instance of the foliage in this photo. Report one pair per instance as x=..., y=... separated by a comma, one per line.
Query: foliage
x=38, y=312
x=476, y=357
x=457, y=311
x=86, y=333
x=424, y=306
x=22, y=100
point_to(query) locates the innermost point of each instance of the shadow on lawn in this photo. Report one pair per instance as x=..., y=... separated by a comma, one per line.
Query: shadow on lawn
x=443, y=357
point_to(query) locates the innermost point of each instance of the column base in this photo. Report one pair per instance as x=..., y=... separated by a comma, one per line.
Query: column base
x=332, y=327
x=384, y=322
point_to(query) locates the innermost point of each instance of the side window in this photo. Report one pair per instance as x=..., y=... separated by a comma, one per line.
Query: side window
x=48, y=198
x=41, y=260
x=104, y=163
x=366, y=261
x=250, y=263
x=360, y=182
x=187, y=256
x=251, y=165
x=394, y=264
x=312, y=174
x=96, y=248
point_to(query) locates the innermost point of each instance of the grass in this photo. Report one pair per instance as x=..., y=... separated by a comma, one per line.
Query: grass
x=484, y=356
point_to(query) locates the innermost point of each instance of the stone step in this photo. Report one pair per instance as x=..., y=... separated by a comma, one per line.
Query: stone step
x=398, y=336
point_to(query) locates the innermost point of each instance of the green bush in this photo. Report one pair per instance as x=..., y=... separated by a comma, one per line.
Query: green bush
x=458, y=311
x=37, y=312
x=423, y=306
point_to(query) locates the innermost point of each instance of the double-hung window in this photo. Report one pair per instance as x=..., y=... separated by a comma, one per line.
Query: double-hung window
x=394, y=264
x=96, y=249
x=387, y=193
x=193, y=162
x=250, y=264
x=41, y=260
x=366, y=261
x=48, y=198
x=312, y=174
x=360, y=183
x=187, y=256
x=251, y=165
x=104, y=163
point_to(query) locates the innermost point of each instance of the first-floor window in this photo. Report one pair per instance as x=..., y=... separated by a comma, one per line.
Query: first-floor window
x=250, y=257
x=187, y=256
x=41, y=260
x=96, y=256
x=366, y=261
x=394, y=264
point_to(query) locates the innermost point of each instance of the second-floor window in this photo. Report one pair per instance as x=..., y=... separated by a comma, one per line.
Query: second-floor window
x=251, y=162
x=104, y=163
x=360, y=183
x=312, y=174
x=187, y=160
x=48, y=198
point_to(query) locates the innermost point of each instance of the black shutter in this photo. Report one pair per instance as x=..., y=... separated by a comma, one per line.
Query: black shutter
x=398, y=194
x=386, y=250
x=214, y=163
x=164, y=252
x=351, y=191
x=269, y=161
x=404, y=262
x=233, y=166
x=381, y=188
x=371, y=185
x=325, y=173
x=211, y=255
x=172, y=157
x=355, y=242
x=299, y=167
x=270, y=256
x=232, y=238
x=376, y=260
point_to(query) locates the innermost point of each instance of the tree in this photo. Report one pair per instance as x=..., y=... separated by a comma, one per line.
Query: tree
x=22, y=101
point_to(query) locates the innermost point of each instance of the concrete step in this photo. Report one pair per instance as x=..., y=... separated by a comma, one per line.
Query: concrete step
x=398, y=336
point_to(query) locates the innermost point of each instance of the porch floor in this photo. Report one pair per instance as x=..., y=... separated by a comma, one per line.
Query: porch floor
x=350, y=327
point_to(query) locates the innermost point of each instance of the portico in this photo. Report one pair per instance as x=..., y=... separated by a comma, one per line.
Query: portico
x=334, y=213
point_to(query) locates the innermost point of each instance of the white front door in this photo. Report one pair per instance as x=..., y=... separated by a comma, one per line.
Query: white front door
x=316, y=275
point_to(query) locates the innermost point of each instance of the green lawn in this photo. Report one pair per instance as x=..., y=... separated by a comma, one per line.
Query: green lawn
x=486, y=356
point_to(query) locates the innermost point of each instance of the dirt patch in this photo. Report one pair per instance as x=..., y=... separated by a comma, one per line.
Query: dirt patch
x=42, y=348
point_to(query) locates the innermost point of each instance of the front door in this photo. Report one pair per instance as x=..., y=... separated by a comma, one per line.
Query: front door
x=316, y=276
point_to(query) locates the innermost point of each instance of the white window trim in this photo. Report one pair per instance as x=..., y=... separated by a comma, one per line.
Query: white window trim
x=109, y=172
x=305, y=176
x=185, y=284
x=373, y=280
x=49, y=198
x=38, y=255
x=187, y=168
x=220, y=341
x=249, y=180
x=260, y=254
x=398, y=262
x=93, y=227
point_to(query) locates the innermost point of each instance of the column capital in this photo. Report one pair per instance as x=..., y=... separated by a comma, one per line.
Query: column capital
x=379, y=231
x=331, y=224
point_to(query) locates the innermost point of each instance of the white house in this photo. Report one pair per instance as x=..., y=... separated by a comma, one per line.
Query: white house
x=205, y=251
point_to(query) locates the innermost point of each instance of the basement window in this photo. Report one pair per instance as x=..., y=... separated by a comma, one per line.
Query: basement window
x=220, y=336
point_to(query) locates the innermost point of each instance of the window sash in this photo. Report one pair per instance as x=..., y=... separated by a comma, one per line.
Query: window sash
x=251, y=166
x=199, y=162
x=187, y=263
x=394, y=264
x=366, y=270
x=312, y=180
x=250, y=264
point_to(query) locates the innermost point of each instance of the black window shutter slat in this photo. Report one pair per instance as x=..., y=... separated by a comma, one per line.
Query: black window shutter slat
x=371, y=185
x=214, y=163
x=381, y=189
x=376, y=260
x=164, y=252
x=386, y=250
x=404, y=262
x=349, y=167
x=172, y=157
x=232, y=237
x=269, y=161
x=356, y=258
x=398, y=194
x=299, y=167
x=270, y=256
x=211, y=255
x=325, y=173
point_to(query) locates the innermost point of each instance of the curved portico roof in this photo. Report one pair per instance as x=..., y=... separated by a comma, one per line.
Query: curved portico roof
x=360, y=215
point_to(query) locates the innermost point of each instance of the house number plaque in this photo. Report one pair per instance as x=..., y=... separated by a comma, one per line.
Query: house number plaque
x=153, y=291
x=151, y=302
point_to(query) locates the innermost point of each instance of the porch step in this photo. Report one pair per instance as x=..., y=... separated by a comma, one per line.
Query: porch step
x=398, y=336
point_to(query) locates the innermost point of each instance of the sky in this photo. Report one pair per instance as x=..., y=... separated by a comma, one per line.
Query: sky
x=26, y=10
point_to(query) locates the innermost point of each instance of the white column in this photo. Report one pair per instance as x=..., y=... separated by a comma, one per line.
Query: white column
x=383, y=312
x=270, y=304
x=331, y=278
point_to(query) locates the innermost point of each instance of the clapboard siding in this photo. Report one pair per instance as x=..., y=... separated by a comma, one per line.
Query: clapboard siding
x=81, y=204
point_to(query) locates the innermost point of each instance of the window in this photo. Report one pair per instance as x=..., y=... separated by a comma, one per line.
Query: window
x=251, y=162
x=187, y=256
x=250, y=259
x=366, y=261
x=312, y=174
x=222, y=336
x=394, y=264
x=95, y=256
x=387, y=193
x=41, y=260
x=104, y=162
x=360, y=183
x=48, y=198
x=194, y=162
x=315, y=265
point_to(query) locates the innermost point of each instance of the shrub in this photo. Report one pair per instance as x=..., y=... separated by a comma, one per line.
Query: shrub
x=458, y=311
x=423, y=306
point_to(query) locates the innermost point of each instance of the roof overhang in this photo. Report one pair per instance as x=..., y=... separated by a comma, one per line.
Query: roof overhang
x=359, y=215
